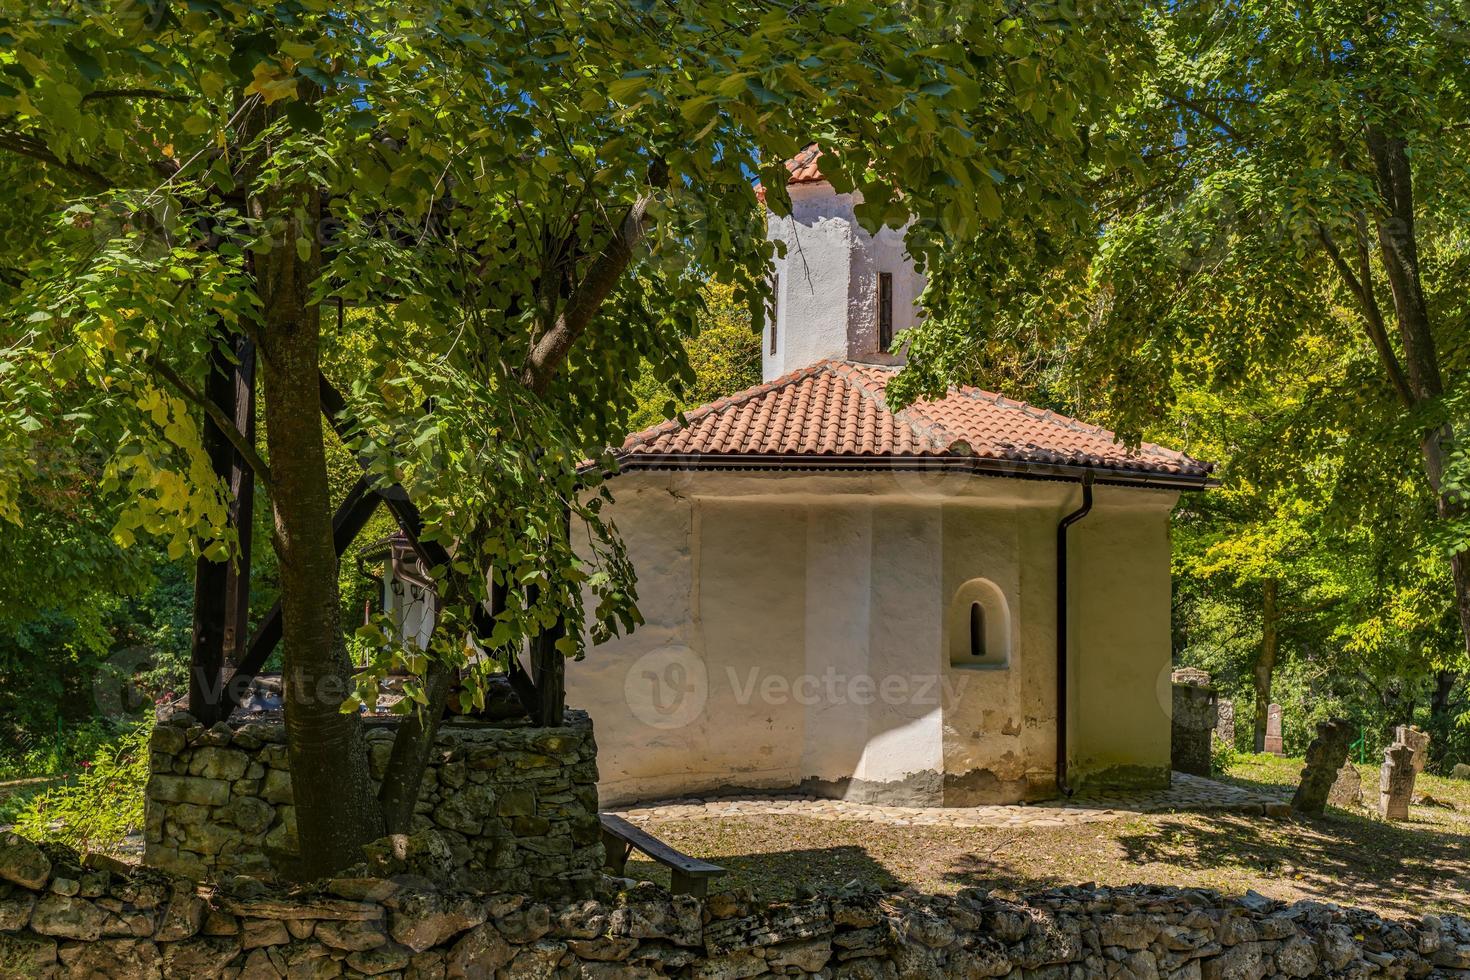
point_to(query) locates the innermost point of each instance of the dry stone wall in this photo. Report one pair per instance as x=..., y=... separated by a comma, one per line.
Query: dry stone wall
x=516, y=805
x=64, y=917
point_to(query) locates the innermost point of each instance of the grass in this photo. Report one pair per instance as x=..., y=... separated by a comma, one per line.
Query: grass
x=1345, y=857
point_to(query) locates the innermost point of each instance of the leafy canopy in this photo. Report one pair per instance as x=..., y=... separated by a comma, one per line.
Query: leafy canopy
x=530, y=198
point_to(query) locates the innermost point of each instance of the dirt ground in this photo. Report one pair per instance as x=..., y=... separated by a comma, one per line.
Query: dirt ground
x=1345, y=857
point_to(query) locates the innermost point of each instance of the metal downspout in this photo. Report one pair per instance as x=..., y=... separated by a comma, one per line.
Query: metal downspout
x=1062, y=526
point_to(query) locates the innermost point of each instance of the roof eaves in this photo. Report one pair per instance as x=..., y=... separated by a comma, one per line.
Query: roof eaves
x=979, y=465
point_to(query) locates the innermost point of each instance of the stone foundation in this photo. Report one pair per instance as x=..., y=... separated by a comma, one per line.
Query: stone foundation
x=63, y=918
x=517, y=805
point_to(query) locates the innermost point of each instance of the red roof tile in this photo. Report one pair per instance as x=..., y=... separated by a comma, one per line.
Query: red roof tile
x=802, y=169
x=803, y=166
x=836, y=409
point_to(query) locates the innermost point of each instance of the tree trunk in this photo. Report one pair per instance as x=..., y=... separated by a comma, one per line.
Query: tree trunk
x=1265, y=664
x=336, y=807
x=1439, y=702
x=1398, y=248
x=404, y=775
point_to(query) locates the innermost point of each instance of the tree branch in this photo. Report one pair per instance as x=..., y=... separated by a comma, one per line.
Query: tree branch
x=1373, y=325
x=133, y=93
x=1207, y=113
x=26, y=147
x=217, y=415
x=552, y=347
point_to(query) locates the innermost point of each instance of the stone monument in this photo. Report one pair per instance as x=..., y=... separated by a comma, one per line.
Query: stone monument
x=1273, y=730
x=1225, y=723
x=1347, y=789
x=1195, y=717
x=1416, y=739
x=1325, y=757
x=1396, y=782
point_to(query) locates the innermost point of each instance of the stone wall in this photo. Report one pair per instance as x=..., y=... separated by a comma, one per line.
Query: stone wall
x=517, y=805
x=61, y=917
x=1193, y=720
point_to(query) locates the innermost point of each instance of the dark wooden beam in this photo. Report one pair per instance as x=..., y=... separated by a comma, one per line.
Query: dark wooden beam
x=207, y=645
x=350, y=518
x=548, y=664
x=432, y=554
x=242, y=510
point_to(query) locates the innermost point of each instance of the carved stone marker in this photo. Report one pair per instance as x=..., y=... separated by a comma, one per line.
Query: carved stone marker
x=1194, y=720
x=1225, y=721
x=1325, y=756
x=1416, y=739
x=1347, y=789
x=1396, y=782
x=1273, y=730
x=1461, y=771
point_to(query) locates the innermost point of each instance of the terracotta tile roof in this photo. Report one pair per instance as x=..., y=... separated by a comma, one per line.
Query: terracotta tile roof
x=803, y=166
x=802, y=169
x=836, y=409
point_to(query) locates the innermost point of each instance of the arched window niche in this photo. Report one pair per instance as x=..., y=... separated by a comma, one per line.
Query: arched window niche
x=979, y=626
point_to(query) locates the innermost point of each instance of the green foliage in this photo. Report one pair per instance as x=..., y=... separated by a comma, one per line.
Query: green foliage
x=1272, y=278
x=528, y=201
x=60, y=753
x=1223, y=755
x=102, y=806
x=724, y=354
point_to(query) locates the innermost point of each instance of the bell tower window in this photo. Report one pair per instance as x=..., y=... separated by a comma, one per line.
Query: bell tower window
x=775, y=307
x=885, y=311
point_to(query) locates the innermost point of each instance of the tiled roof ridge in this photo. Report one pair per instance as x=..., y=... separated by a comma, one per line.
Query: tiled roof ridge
x=839, y=408
x=1056, y=418
x=739, y=398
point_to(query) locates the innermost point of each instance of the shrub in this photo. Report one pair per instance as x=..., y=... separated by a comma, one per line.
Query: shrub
x=1222, y=754
x=102, y=806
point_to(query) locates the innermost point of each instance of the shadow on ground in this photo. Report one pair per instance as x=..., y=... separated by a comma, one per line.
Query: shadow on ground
x=1341, y=856
x=782, y=874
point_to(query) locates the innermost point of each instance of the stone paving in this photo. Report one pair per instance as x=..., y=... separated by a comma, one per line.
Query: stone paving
x=1186, y=794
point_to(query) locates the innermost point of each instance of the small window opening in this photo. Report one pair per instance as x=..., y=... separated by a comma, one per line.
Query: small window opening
x=885, y=311
x=977, y=630
x=979, y=626
x=775, y=307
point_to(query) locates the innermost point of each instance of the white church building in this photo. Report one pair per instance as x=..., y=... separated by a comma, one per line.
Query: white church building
x=963, y=602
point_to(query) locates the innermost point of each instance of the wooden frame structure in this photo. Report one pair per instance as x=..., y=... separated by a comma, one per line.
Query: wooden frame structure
x=223, y=661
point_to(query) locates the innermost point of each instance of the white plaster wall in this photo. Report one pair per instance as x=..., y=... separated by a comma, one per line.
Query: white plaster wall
x=1120, y=638
x=796, y=597
x=827, y=287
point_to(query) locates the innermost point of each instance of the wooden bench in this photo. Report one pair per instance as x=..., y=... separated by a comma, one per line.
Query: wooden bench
x=690, y=875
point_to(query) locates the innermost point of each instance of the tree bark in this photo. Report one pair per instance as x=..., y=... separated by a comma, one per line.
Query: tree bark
x=404, y=775
x=1439, y=701
x=336, y=806
x=1265, y=664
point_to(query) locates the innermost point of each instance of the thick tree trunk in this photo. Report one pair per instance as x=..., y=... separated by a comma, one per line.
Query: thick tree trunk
x=336, y=807
x=1439, y=700
x=1265, y=664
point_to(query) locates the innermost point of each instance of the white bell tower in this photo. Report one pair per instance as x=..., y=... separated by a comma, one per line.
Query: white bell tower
x=840, y=292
